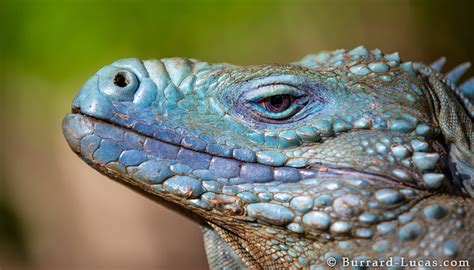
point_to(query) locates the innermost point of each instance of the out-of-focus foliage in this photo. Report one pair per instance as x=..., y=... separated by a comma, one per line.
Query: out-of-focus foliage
x=58, y=39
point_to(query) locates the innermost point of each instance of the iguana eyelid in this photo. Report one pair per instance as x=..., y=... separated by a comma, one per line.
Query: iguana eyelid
x=265, y=91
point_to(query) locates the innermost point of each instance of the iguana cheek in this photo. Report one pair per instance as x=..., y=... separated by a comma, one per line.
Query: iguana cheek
x=408, y=160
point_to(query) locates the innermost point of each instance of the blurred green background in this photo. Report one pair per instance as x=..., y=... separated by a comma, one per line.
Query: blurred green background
x=55, y=212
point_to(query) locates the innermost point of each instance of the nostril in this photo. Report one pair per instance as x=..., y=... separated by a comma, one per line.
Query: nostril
x=117, y=82
x=121, y=80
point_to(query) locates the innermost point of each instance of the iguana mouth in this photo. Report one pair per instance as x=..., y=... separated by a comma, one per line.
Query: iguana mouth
x=250, y=170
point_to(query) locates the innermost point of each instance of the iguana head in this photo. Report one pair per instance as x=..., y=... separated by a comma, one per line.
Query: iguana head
x=344, y=153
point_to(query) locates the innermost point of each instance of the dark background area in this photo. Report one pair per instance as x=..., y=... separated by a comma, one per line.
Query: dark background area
x=55, y=212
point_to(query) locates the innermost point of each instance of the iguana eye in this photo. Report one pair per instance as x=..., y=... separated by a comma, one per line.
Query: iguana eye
x=272, y=102
x=276, y=103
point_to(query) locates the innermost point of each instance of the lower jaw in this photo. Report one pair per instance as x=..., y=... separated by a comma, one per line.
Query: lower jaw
x=178, y=178
x=183, y=191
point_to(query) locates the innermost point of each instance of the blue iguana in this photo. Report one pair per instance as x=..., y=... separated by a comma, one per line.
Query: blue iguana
x=343, y=155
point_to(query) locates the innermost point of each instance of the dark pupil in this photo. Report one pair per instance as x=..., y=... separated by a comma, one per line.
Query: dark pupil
x=277, y=103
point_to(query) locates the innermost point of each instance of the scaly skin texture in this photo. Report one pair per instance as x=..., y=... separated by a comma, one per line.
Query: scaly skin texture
x=344, y=155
